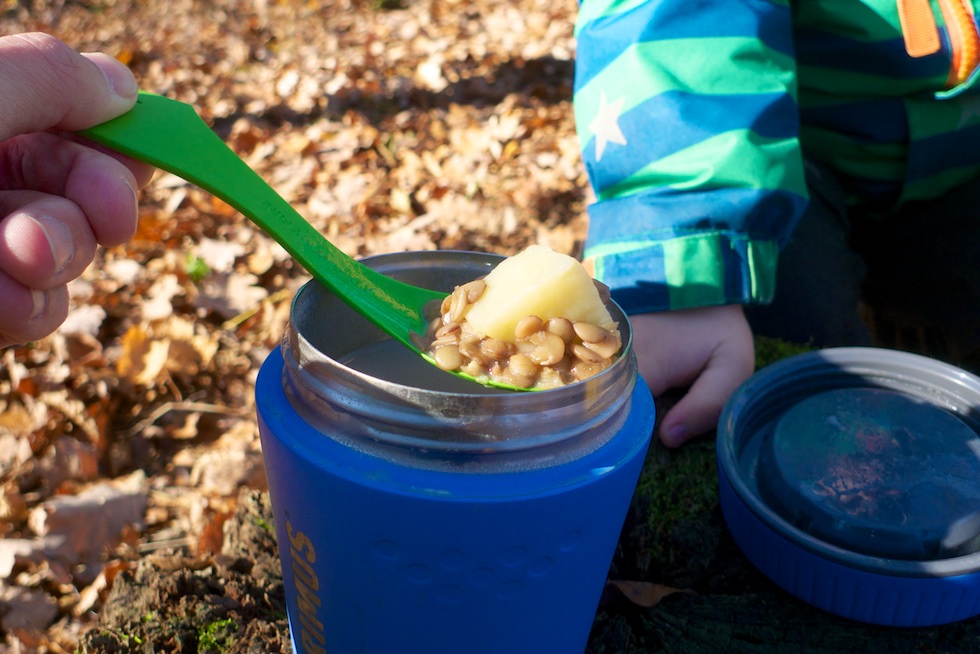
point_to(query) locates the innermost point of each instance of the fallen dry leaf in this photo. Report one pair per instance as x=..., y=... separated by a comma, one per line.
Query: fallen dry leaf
x=143, y=358
x=14, y=549
x=69, y=459
x=645, y=593
x=83, y=526
x=90, y=594
x=229, y=294
x=85, y=319
x=18, y=420
x=123, y=271
x=191, y=348
x=159, y=298
x=219, y=256
x=26, y=610
x=233, y=462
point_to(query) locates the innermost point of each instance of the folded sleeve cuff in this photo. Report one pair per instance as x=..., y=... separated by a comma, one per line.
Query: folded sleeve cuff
x=703, y=269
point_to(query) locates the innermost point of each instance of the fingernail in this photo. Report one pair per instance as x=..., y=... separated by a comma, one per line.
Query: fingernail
x=675, y=435
x=40, y=303
x=120, y=79
x=60, y=242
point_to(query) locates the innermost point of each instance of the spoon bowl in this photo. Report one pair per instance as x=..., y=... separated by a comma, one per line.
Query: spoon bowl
x=171, y=136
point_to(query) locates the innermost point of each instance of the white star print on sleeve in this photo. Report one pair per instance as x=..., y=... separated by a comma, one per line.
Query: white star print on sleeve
x=605, y=125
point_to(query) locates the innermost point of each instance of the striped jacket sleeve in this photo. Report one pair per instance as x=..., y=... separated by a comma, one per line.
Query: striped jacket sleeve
x=687, y=117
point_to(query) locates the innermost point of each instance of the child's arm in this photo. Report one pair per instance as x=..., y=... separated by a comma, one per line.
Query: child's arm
x=688, y=122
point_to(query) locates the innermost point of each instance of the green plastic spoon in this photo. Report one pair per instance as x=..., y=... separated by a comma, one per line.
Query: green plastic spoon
x=171, y=136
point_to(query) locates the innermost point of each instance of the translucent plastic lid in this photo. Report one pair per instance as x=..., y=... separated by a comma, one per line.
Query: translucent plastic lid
x=877, y=472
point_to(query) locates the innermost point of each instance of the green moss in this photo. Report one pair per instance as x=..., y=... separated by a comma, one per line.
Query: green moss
x=676, y=490
x=216, y=636
x=684, y=487
x=770, y=350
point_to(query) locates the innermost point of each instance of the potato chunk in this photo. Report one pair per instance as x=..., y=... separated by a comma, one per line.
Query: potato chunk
x=537, y=321
x=536, y=282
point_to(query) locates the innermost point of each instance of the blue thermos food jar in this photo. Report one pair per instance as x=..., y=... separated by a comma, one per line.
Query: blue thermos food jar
x=418, y=513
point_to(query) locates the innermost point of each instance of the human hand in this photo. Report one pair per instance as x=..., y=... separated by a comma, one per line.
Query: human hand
x=59, y=198
x=709, y=349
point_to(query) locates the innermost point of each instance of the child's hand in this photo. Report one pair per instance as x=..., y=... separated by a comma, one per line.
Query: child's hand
x=59, y=199
x=711, y=349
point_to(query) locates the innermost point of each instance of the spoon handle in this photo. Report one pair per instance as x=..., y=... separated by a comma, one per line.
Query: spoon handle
x=171, y=136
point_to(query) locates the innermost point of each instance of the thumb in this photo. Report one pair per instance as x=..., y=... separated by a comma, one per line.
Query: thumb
x=44, y=84
x=697, y=412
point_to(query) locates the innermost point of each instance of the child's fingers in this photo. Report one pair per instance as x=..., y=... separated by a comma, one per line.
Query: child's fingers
x=697, y=412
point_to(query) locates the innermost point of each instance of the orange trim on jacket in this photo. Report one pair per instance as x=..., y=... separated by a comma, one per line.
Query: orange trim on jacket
x=921, y=34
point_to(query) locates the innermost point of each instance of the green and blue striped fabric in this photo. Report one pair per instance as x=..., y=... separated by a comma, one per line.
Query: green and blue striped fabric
x=694, y=117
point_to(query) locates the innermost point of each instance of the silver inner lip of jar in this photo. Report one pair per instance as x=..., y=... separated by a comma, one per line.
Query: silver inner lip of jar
x=776, y=388
x=478, y=421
